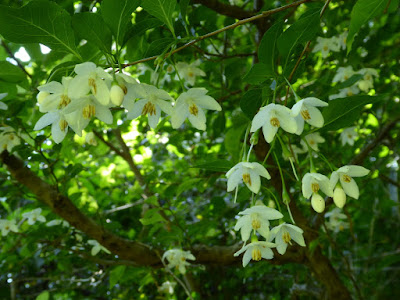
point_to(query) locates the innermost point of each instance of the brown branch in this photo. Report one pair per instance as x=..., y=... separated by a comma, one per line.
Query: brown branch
x=228, y=10
x=8, y=50
x=229, y=27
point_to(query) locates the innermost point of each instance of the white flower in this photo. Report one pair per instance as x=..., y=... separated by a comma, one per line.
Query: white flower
x=3, y=105
x=339, y=197
x=33, y=216
x=270, y=118
x=284, y=233
x=325, y=45
x=250, y=174
x=305, y=110
x=117, y=95
x=342, y=39
x=97, y=247
x=345, y=174
x=90, y=78
x=151, y=102
x=256, y=251
x=346, y=92
x=336, y=221
x=189, y=72
x=367, y=82
x=313, y=182
x=7, y=225
x=313, y=139
x=190, y=105
x=90, y=139
x=54, y=95
x=57, y=222
x=59, y=124
x=256, y=218
x=343, y=73
x=177, y=258
x=348, y=135
x=167, y=287
x=8, y=139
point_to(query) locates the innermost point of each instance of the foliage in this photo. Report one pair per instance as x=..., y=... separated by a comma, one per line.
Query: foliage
x=95, y=211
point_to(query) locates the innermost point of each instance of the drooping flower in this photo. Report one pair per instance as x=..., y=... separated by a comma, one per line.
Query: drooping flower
x=270, y=118
x=367, y=82
x=326, y=45
x=256, y=251
x=336, y=220
x=54, y=95
x=284, y=233
x=313, y=139
x=151, y=102
x=249, y=173
x=346, y=92
x=34, y=215
x=345, y=175
x=90, y=139
x=189, y=72
x=92, y=79
x=59, y=124
x=306, y=110
x=8, y=138
x=177, y=259
x=256, y=218
x=97, y=247
x=348, y=136
x=7, y=225
x=311, y=184
x=190, y=105
x=167, y=287
x=342, y=40
x=3, y=105
x=343, y=73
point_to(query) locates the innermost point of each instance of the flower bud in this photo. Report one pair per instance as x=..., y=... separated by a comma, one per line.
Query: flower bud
x=339, y=197
x=271, y=204
x=285, y=196
x=116, y=95
x=317, y=203
x=41, y=96
x=254, y=138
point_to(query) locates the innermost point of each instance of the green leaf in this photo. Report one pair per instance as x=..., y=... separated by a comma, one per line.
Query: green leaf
x=116, y=274
x=344, y=112
x=45, y=295
x=159, y=46
x=220, y=165
x=186, y=185
x=10, y=73
x=301, y=31
x=151, y=216
x=266, y=50
x=39, y=22
x=118, y=16
x=257, y=74
x=162, y=10
x=251, y=102
x=363, y=11
x=91, y=27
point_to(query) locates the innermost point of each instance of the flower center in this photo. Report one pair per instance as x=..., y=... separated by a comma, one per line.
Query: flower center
x=315, y=187
x=346, y=178
x=350, y=93
x=7, y=227
x=246, y=178
x=326, y=48
x=89, y=111
x=64, y=101
x=63, y=124
x=275, y=122
x=256, y=254
x=255, y=222
x=11, y=137
x=92, y=84
x=286, y=237
x=190, y=74
x=305, y=114
x=193, y=109
x=345, y=77
x=311, y=142
x=149, y=108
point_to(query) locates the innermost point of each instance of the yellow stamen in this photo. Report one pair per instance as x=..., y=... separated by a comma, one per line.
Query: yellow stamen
x=255, y=222
x=246, y=178
x=256, y=254
x=305, y=114
x=193, y=109
x=92, y=84
x=63, y=124
x=326, y=48
x=89, y=111
x=315, y=187
x=64, y=101
x=286, y=237
x=346, y=178
x=149, y=108
x=275, y=122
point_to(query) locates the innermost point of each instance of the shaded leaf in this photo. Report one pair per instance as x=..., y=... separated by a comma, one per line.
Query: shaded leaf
x=162, y=10
x=251, y=102
x=266, y=50
x=116, y=274
x=258, y=73
x=220, y=165
x=10, y=73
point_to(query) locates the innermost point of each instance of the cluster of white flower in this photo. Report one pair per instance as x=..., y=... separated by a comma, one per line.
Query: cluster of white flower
x=333, y=44
x=364, y=84
x=177, y=259
x=31, y=217
x=256, y=220
x=92, y=92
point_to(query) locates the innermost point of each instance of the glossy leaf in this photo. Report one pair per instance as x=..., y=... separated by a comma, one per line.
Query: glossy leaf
x=266, y=50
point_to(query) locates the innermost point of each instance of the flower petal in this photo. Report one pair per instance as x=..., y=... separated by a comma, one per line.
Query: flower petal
x=316, y=118
x=46, y=119
x=247, y=257
x=357, y=171
x=198, y=121
x=255, y=182
x=350, y=188
x=137, y=109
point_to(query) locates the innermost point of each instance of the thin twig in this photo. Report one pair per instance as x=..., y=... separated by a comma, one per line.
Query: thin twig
x=14, y=58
